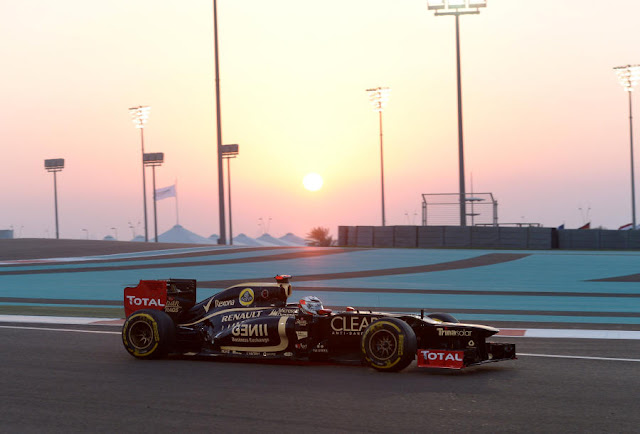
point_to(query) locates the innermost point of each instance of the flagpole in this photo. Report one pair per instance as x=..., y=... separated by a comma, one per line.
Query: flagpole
x=177, y=219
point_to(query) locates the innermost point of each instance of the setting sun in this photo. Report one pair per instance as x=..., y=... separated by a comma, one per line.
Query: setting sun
x=312, y=182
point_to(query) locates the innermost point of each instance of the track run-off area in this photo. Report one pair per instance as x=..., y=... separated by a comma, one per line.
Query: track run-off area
x=574, y=316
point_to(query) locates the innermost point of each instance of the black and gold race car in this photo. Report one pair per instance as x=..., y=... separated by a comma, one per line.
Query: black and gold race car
x=254, y=320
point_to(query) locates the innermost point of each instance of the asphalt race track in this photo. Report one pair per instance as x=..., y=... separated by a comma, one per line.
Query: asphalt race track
x=78, y=378
x=64, y=381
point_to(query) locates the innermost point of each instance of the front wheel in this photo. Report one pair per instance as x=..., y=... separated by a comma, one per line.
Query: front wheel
x=389, y=345
x=148, y=334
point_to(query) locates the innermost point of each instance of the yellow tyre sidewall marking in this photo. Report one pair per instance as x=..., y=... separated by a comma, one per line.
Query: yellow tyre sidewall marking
x=399, y=350
x=156, y=334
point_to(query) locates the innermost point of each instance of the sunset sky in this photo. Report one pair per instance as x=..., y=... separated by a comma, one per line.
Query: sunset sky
x=545, y=119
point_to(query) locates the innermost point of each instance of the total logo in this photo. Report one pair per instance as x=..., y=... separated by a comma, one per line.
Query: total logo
x=143, y=301
x=350, y=325
x=441, y=355
x=441, y=359
x=246, y=297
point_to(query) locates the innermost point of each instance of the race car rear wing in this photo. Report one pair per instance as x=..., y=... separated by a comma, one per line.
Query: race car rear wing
x=173, y=296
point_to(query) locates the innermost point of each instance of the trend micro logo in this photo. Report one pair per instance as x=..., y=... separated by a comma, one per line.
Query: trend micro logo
x=246, y=297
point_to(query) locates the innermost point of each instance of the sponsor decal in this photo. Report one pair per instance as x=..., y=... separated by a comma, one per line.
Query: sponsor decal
x=302, y=322
x=440, y=359
x=257, y=333
x=241, y=316
x=143, y=301
x=445, y=332
x=284, y=311
x=320, y=348
x=224, y=303
x=172, y=306
x=302, y=335
x=246, y=297
x=250, y=340
x=265, y=294
x=350, y=325
x=250, y=333
x=248, y=330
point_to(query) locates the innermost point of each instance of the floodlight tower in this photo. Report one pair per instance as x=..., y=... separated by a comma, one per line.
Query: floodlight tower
x=221, y=214
x=55, y=165
x=379, y=97
x=457, y=8
x=154, y=160
x=139, y=116
x=229, y=152
x=629, y=76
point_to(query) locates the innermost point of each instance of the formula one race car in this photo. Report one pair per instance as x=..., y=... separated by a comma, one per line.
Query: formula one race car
x=254, y=320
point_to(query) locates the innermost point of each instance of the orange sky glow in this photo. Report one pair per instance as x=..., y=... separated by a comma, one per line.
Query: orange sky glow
x=545, y=120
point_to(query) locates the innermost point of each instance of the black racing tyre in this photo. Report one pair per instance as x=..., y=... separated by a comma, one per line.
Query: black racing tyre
x=444, y=317
x=148, y=334
x=389, y=344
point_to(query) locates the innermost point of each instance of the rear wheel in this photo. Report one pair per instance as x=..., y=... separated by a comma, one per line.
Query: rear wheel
x=148, y=334
x=389, y=345
x=444, y=317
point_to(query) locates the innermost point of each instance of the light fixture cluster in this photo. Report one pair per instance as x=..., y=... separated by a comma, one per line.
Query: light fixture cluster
x=139, y=115
x=450, y=7
x=379, y=97
x=628, y=76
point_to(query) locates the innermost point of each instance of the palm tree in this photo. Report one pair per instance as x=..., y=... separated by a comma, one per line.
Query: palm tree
x=319, y=237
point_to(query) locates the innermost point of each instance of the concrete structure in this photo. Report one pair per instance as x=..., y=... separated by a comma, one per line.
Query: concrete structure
x=530, y=238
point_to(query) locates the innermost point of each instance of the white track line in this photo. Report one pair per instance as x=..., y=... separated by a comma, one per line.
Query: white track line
x=60, y=330
x=557, y=356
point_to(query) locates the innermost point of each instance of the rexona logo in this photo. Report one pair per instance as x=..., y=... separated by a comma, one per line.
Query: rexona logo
x=143, y=301
x=246, y=297
x=350, y=325
x=224, y=303
x=440, y=359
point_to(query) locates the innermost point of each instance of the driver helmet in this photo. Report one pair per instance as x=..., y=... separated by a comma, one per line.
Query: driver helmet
x=310, y=305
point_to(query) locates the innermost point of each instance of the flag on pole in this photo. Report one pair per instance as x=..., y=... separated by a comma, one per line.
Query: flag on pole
x=165, y=192
x=585, y=226
x=626, y=227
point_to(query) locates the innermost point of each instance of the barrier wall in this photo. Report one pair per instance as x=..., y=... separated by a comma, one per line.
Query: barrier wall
x=530, y=238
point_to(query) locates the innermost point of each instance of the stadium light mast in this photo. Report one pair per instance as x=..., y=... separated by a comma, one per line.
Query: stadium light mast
x=55, y=165
x=457, y=8
x=379, y=97
x=221, y=214
x=628, y=76
x=139, y=116
x=154, y=160
x=229, y=152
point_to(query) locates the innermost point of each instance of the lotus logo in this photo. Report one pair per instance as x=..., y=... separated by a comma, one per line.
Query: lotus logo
x=246, y=297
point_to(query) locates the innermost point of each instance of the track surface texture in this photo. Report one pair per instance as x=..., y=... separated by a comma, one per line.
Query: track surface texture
x=59, y=381
x=79, y=378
